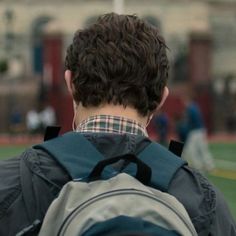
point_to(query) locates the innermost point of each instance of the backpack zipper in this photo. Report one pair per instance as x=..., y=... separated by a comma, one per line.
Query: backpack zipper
x=102, y=196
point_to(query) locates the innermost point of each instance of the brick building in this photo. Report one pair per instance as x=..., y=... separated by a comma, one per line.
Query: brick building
x=201, y=36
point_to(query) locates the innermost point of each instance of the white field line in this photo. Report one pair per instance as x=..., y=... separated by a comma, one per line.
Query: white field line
x=229, y=165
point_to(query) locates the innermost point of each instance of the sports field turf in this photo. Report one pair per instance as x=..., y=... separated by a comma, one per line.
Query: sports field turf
x=224, y=177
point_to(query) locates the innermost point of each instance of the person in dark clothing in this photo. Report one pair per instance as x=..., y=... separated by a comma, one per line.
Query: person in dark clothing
x=196, y=150
x=116, y=72
x=161, y=124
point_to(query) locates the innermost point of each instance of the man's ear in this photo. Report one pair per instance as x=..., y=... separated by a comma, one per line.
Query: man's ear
x=68, y=79
x=164, y=97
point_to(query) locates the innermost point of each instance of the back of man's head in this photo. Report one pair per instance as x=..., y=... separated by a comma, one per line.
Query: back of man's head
x=119, y=60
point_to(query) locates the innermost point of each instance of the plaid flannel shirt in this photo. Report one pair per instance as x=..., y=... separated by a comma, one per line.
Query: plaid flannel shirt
x=111, y=124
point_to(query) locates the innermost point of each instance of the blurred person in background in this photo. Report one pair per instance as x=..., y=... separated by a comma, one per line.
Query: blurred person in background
x=161, y=124
x=116, y=73
x=196, y=150
x=16, y=121
x=33, y=122
x=38, y=120
x=47, y=116
x=181, y=127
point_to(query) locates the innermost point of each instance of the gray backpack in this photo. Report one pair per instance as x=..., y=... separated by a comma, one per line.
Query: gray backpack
x=102, y=201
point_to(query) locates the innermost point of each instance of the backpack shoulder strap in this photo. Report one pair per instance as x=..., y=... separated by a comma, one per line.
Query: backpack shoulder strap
x=164, y=164
x=176, y=147
x=78, y=156
x=75, y=153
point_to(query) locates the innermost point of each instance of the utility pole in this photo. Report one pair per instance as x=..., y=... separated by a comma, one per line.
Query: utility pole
x=118, y=6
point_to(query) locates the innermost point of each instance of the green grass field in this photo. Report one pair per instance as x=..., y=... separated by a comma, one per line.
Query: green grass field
x=224, y=177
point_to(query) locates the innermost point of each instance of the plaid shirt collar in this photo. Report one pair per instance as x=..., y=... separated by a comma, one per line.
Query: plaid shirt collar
x=111, y=124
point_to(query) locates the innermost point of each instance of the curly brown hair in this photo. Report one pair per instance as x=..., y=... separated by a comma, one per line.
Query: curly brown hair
x=119, y=60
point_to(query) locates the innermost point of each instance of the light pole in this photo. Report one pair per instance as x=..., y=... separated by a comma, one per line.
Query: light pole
x=118, y=6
